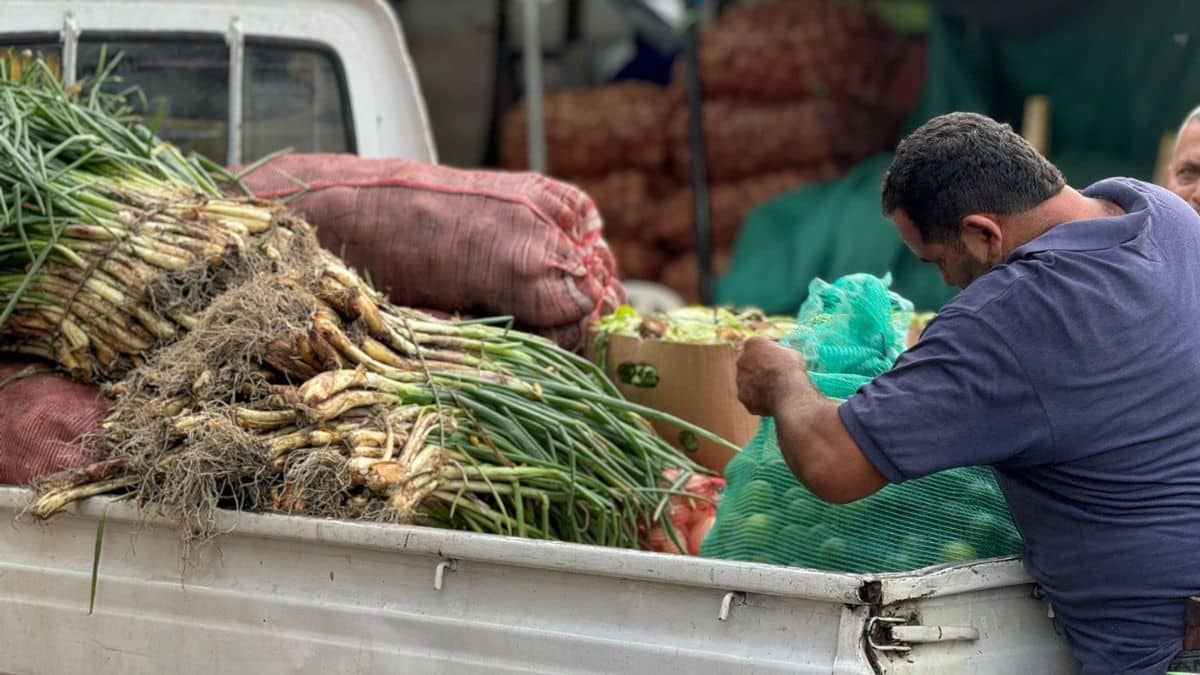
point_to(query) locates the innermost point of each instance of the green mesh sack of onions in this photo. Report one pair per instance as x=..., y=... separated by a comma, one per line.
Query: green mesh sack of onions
x=252, y=370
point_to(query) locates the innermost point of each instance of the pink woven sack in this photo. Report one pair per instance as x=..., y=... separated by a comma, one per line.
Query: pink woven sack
x=43, y=417
x=475, y=242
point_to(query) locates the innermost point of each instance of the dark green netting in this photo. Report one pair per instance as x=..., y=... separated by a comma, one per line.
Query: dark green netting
x=823, y=233
x=851, y=331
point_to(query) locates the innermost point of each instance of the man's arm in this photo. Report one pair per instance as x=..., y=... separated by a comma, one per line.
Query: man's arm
x=773, y=381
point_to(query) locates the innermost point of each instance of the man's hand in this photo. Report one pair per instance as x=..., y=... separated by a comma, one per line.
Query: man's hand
x=766, y=370
x=773, y=381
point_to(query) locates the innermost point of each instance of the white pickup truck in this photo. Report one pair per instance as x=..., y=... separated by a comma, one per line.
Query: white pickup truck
x=241, y=78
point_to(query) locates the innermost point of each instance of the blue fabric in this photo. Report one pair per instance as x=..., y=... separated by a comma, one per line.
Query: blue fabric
x=1074, y=371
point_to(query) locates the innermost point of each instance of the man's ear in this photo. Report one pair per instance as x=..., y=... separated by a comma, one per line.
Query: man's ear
x=982, y=235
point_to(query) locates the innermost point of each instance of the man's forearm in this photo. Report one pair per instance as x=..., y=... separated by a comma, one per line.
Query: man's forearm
x=818, y=448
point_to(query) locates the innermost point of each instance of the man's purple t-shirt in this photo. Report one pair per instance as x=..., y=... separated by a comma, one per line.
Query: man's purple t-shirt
x=1074, y=370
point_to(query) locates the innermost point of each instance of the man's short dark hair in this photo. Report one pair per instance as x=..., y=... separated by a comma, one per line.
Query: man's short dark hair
x=963, y=163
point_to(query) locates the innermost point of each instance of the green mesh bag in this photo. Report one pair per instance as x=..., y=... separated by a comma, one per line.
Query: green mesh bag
x=850, y=332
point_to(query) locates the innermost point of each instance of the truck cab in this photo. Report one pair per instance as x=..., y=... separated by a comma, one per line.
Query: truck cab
x=238, y=79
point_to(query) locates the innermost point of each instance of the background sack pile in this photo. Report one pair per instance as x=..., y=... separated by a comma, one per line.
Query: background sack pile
x=796, y=91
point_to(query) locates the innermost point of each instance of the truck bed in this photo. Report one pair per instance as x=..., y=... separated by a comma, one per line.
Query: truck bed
x=292, y=594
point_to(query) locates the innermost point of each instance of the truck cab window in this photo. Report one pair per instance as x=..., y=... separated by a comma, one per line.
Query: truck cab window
x=294, y=95
x=184, y=85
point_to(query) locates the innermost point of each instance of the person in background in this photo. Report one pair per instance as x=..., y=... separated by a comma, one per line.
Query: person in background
x=1183, y=174
x=1067, y=364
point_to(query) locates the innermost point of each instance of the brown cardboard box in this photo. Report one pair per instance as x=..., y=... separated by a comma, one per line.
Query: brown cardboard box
x=696, y=383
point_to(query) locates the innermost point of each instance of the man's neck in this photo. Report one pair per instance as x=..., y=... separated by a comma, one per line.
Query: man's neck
x=1067, y=206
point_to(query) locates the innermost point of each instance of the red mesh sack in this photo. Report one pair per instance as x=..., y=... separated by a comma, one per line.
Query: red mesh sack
x=803, y=134
x=904, y=88
x=749, y=139
x=797, y=49
x=43, y=416
x=682, y=274
x=626, y=201
x=638, y=260
x=476, y=242
x=866, y=131
x=673, y=226
x=592, y=131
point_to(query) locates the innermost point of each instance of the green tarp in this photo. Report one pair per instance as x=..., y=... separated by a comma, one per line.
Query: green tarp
x=1118, y=76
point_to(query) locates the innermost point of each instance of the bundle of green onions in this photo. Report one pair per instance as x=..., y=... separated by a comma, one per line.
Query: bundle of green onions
x=251, y=369
x=99, y=218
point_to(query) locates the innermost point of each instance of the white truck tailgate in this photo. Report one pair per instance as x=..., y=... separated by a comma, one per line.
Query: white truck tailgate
x=290, y=594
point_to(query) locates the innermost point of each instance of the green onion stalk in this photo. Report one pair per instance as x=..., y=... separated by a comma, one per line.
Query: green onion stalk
x=252, y=370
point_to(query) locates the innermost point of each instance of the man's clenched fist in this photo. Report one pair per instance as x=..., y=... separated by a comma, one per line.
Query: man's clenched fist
x=766, y=370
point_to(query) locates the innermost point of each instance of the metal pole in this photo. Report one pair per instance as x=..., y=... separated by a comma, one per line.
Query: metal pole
x=236, y=38
x=691, y=48
x=502, y=83
x=533, y=87
x=70, y=56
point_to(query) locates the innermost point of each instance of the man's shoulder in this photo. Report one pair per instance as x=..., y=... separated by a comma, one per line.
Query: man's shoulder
x=1017, y=304
x=985, y=300
x=1118, y=187
x=1160, y=204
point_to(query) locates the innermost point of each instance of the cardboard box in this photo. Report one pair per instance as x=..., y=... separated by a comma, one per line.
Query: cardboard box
x=696, y=383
